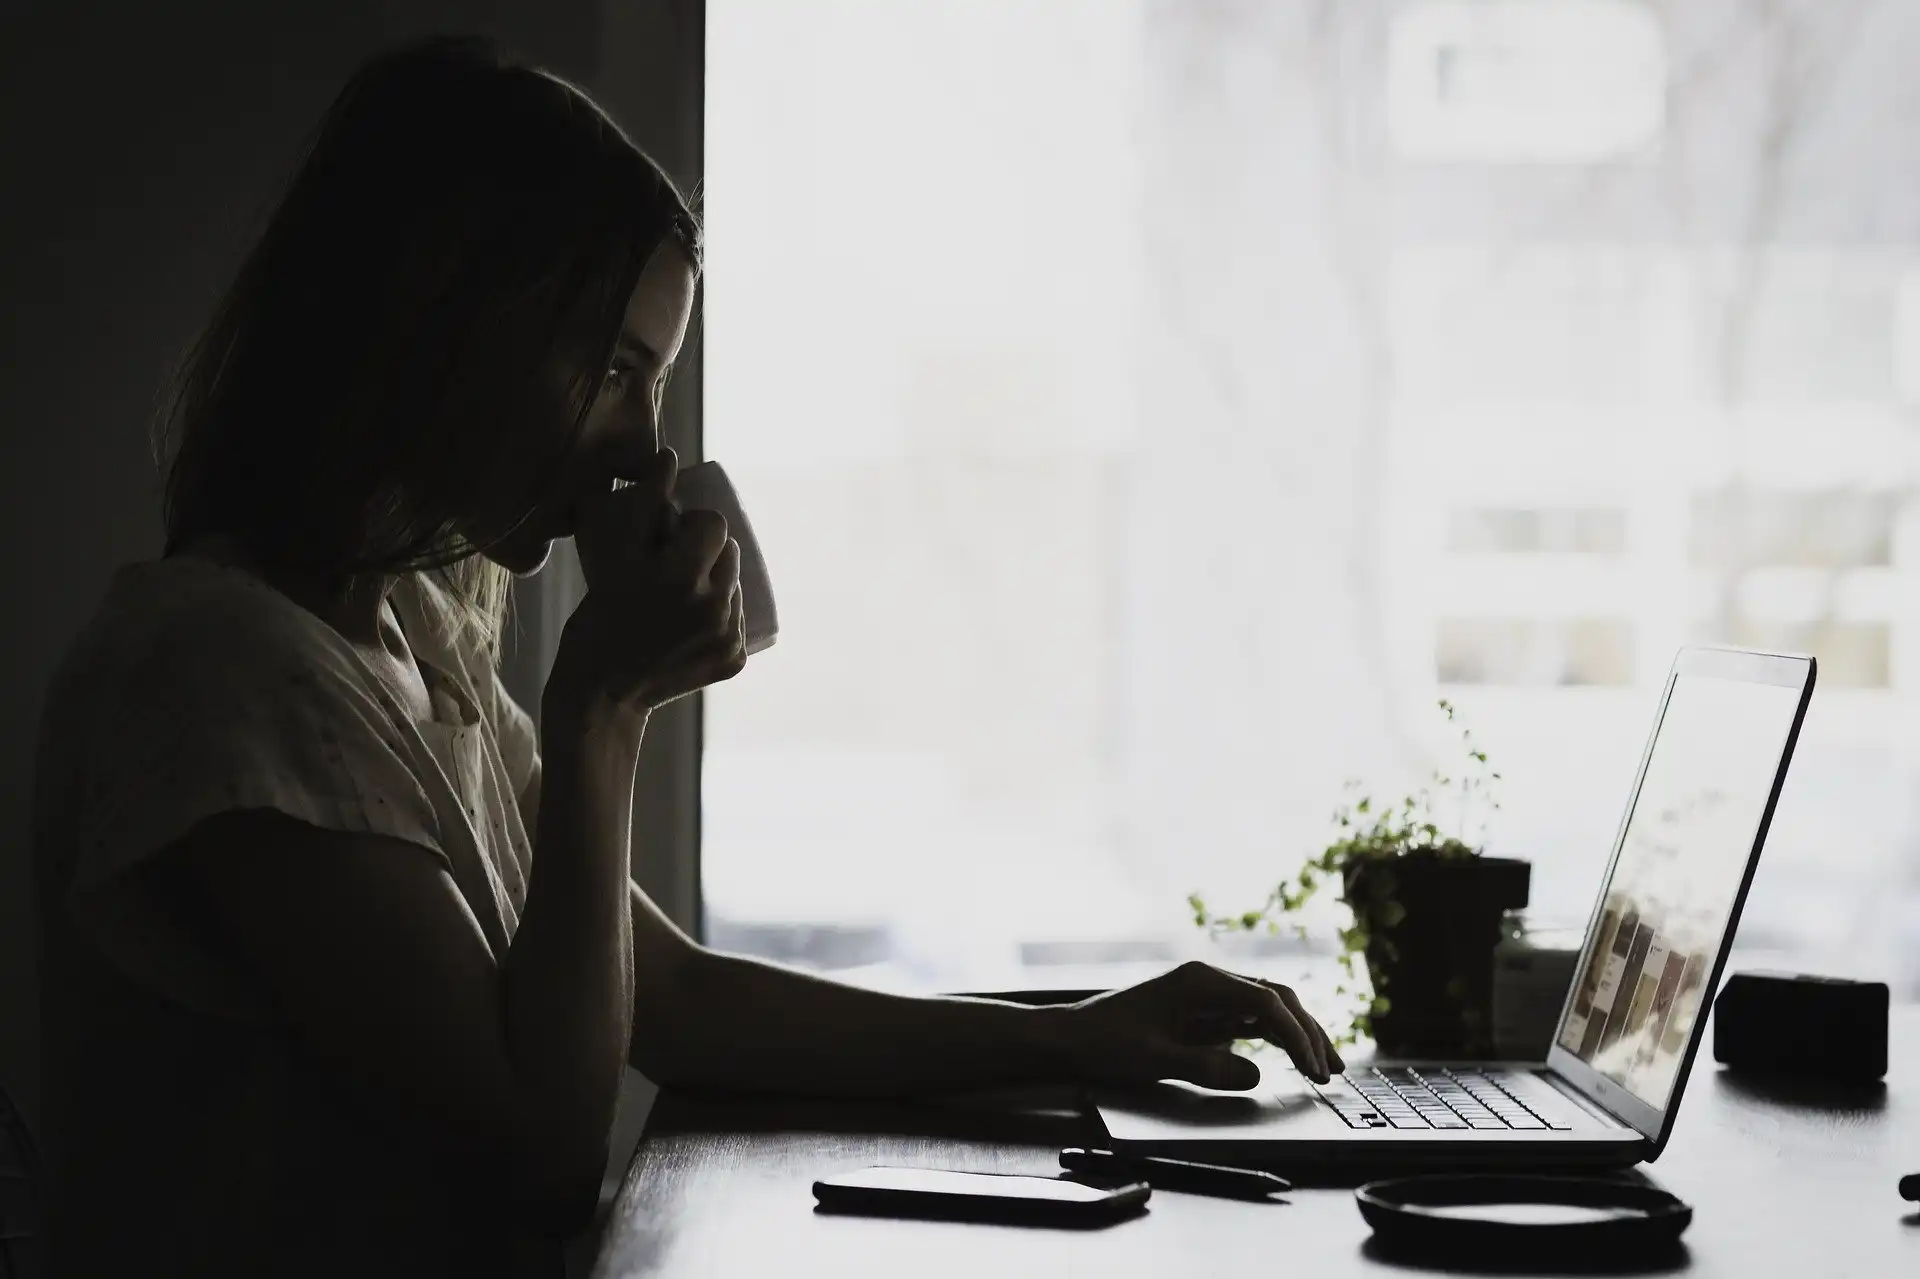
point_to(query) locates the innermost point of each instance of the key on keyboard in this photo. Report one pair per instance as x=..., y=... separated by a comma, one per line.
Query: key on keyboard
x=1410, y=1097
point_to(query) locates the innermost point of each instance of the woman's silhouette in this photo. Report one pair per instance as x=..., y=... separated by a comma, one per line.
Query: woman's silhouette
x=341, y=966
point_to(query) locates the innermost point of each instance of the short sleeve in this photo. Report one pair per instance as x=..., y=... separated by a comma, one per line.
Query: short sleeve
x=215, y=719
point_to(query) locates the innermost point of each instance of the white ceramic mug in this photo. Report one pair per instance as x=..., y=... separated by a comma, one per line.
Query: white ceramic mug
x=705, y=487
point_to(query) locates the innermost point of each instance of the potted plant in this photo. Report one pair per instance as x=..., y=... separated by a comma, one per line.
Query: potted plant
x=1428, y=909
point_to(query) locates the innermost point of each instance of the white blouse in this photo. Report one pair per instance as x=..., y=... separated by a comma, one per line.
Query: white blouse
x=175, y=1094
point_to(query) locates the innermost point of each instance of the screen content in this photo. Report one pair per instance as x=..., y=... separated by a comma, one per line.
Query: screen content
x=1686, y=845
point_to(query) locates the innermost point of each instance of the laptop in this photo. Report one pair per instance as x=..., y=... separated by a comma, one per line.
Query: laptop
x=1656, y=942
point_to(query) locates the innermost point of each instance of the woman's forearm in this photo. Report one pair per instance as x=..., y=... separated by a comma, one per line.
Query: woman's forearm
x=736, y=1023
x=569, y=970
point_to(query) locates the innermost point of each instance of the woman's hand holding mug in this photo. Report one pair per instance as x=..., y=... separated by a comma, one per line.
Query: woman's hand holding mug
x=663, y=614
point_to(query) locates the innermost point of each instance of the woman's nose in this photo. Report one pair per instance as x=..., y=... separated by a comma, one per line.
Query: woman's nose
x=632, y=439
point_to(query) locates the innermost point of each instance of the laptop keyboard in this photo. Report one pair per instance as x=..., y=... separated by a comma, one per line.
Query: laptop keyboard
x=1431, y=1097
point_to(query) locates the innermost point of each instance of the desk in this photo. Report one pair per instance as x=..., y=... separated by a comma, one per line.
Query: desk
x=1796, y=1181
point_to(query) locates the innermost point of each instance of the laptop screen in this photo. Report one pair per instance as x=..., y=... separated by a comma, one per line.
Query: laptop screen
x=1682, y=857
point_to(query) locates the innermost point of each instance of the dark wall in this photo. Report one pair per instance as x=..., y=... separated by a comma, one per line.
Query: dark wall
x=140, y=145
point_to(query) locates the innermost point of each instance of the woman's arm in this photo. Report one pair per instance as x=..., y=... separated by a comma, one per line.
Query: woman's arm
x=707, y=1019
x=824, y=1028
x=711, y=1020
x=703, y=1019
x=573, y=1044
x=379, y=967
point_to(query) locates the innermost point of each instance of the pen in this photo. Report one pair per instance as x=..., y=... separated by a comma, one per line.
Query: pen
x=1176, y=1174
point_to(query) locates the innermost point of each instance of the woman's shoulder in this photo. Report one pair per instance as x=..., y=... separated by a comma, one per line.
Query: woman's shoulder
x=189, y=626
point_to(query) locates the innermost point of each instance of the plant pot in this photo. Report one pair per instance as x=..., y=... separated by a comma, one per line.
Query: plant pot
x=1433, y=959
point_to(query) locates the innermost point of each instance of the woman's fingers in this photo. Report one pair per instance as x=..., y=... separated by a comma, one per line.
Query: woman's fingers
x=1272, y=1020
x=1282, y=1028
x=724, y=576
x=717, y=643
x=1329, y=1055
x=698, y=544
x=663, y=599
x=1215, y=1028
x=618, y=528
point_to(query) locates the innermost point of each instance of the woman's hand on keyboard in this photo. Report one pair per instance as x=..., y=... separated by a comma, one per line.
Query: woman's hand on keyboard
x=1181, y=1024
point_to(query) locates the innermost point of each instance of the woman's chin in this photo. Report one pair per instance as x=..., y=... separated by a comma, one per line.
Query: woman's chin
x=521, y=556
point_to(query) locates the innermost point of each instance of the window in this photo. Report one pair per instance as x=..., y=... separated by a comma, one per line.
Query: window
x=1577, y=530
x=1525, y=80
x=1512, y=651
x=1836, y=530
x=1150, y=410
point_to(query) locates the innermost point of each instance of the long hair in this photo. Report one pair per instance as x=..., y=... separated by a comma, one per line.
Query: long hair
x=397, y=373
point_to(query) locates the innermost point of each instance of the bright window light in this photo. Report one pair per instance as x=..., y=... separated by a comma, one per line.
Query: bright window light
x=1517, y=81
x=1143, y=434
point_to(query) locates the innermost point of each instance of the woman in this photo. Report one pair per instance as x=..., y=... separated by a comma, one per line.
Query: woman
x=343, y=968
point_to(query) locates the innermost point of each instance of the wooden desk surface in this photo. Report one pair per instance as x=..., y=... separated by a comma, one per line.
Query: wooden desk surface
x=1798, y=1182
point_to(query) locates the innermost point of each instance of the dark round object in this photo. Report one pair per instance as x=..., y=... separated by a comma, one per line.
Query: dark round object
x=1570, y=1217
x=1434, y=964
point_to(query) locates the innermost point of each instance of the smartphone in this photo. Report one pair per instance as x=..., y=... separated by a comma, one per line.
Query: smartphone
x=978, y=1196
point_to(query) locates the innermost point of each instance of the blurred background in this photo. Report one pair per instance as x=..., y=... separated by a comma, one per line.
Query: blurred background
x=1158, y=405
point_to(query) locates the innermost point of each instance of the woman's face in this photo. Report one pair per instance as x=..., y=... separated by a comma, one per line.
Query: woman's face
x=626, y=409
